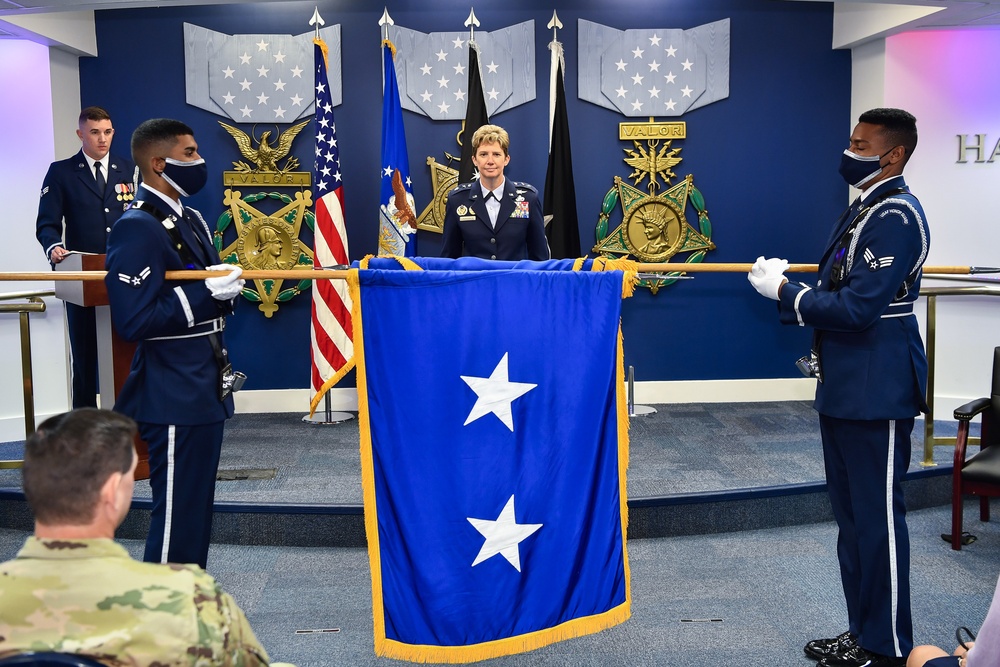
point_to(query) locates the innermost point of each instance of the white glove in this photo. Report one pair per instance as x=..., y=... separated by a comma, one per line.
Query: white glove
x=767, y=276
x=227, y=287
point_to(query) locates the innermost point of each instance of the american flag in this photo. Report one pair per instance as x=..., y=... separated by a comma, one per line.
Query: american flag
x=332, y=334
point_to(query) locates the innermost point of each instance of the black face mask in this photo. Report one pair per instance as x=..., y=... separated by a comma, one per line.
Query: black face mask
x=186, y=177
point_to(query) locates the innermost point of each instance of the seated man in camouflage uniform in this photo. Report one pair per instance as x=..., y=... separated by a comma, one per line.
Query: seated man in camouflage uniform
x=72, y=589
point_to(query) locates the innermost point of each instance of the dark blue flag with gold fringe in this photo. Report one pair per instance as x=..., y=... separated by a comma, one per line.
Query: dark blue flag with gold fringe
x=494, y=459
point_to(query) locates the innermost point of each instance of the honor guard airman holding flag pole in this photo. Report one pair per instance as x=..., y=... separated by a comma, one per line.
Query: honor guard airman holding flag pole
x=871, y=371
x=180, y=386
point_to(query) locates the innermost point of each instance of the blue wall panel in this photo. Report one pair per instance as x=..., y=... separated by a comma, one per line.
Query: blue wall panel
x=765, y=158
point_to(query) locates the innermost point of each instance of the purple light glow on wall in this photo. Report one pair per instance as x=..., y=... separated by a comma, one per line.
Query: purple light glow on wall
x=24, y=79
x=942, y=71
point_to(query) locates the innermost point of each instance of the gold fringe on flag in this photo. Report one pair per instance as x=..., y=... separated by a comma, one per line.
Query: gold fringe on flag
x=628, y=267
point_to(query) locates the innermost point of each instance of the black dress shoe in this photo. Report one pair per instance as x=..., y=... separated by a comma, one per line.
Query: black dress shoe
x=859, y=657
x=818, y=649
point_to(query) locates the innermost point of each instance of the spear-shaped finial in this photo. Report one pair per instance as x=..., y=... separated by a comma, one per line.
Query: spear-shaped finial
x=385, y=22
x=317, y=21
x=555, y=24
x=473, y=23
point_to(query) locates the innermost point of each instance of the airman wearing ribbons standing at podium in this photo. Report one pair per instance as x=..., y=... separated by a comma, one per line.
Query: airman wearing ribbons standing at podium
x=175, y=386
x=81, y=199
x=869, y=362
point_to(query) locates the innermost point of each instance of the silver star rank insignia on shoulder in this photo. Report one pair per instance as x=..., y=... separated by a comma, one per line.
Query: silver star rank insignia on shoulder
x=134, y=281
x=875, y=263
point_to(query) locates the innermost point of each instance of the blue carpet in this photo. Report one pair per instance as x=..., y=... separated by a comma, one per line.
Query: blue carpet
x=773, y=589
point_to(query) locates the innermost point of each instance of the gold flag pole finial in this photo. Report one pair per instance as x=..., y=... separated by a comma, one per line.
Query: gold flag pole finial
x=473, y=23
x=316, y=20
x=555, y=24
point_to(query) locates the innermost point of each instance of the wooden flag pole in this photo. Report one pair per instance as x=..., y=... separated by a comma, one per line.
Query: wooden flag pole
x=721, y=267
x=339, y=274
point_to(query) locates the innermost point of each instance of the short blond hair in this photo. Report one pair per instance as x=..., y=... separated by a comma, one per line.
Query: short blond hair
x=490, y=134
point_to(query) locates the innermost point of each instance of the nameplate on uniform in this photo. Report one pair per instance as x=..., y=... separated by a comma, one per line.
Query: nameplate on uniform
x=466, y=218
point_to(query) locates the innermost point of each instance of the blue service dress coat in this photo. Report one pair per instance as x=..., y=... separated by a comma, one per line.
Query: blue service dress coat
x=870, y=350
x=519, y=232
x=174, y=377
x=70, y=191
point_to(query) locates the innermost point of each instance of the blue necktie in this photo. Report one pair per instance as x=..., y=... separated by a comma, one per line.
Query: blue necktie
x=99, y=174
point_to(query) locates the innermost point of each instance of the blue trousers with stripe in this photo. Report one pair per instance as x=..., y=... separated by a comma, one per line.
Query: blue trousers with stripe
x=865, y=463
x=183, y=465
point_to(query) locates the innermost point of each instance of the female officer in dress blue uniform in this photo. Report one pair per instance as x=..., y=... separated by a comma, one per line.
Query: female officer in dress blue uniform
x=493, y=217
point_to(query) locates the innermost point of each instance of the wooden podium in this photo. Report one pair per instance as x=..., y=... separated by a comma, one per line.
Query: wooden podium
x=114, y=353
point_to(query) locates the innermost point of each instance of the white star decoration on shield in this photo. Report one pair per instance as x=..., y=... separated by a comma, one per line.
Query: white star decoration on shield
x=495, y=394
x=503, y=535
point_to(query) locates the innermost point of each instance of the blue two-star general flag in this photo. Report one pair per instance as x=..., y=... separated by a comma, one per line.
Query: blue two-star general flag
x=493, y=462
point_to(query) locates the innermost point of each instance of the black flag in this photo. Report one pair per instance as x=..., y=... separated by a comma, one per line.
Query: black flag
x=475, y=115
x=559, y=202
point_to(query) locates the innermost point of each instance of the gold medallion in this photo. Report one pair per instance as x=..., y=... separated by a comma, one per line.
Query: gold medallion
x=267, y=234
x=654, y=227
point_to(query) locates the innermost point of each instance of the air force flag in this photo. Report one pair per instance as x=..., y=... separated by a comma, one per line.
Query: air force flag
x=493, y=461
x=653, y=71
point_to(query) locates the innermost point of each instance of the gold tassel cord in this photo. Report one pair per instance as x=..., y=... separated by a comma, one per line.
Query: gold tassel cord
x=338, y=274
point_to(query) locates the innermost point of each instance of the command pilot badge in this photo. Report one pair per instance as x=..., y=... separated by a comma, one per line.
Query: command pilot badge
x=654, y=226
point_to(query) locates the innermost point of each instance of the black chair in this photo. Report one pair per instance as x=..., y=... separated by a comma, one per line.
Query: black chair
x=980, y=474
x=49, y=659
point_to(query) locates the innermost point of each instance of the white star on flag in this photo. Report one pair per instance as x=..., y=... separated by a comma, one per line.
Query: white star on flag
x=503, y=535
x=495, y=394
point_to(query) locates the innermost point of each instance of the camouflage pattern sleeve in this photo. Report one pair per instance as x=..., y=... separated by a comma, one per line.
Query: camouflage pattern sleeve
x=222, y=621
x=89, y=597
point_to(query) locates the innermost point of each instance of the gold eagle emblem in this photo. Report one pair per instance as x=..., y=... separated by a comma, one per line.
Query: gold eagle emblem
x=652, y=162
x=265, y=156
